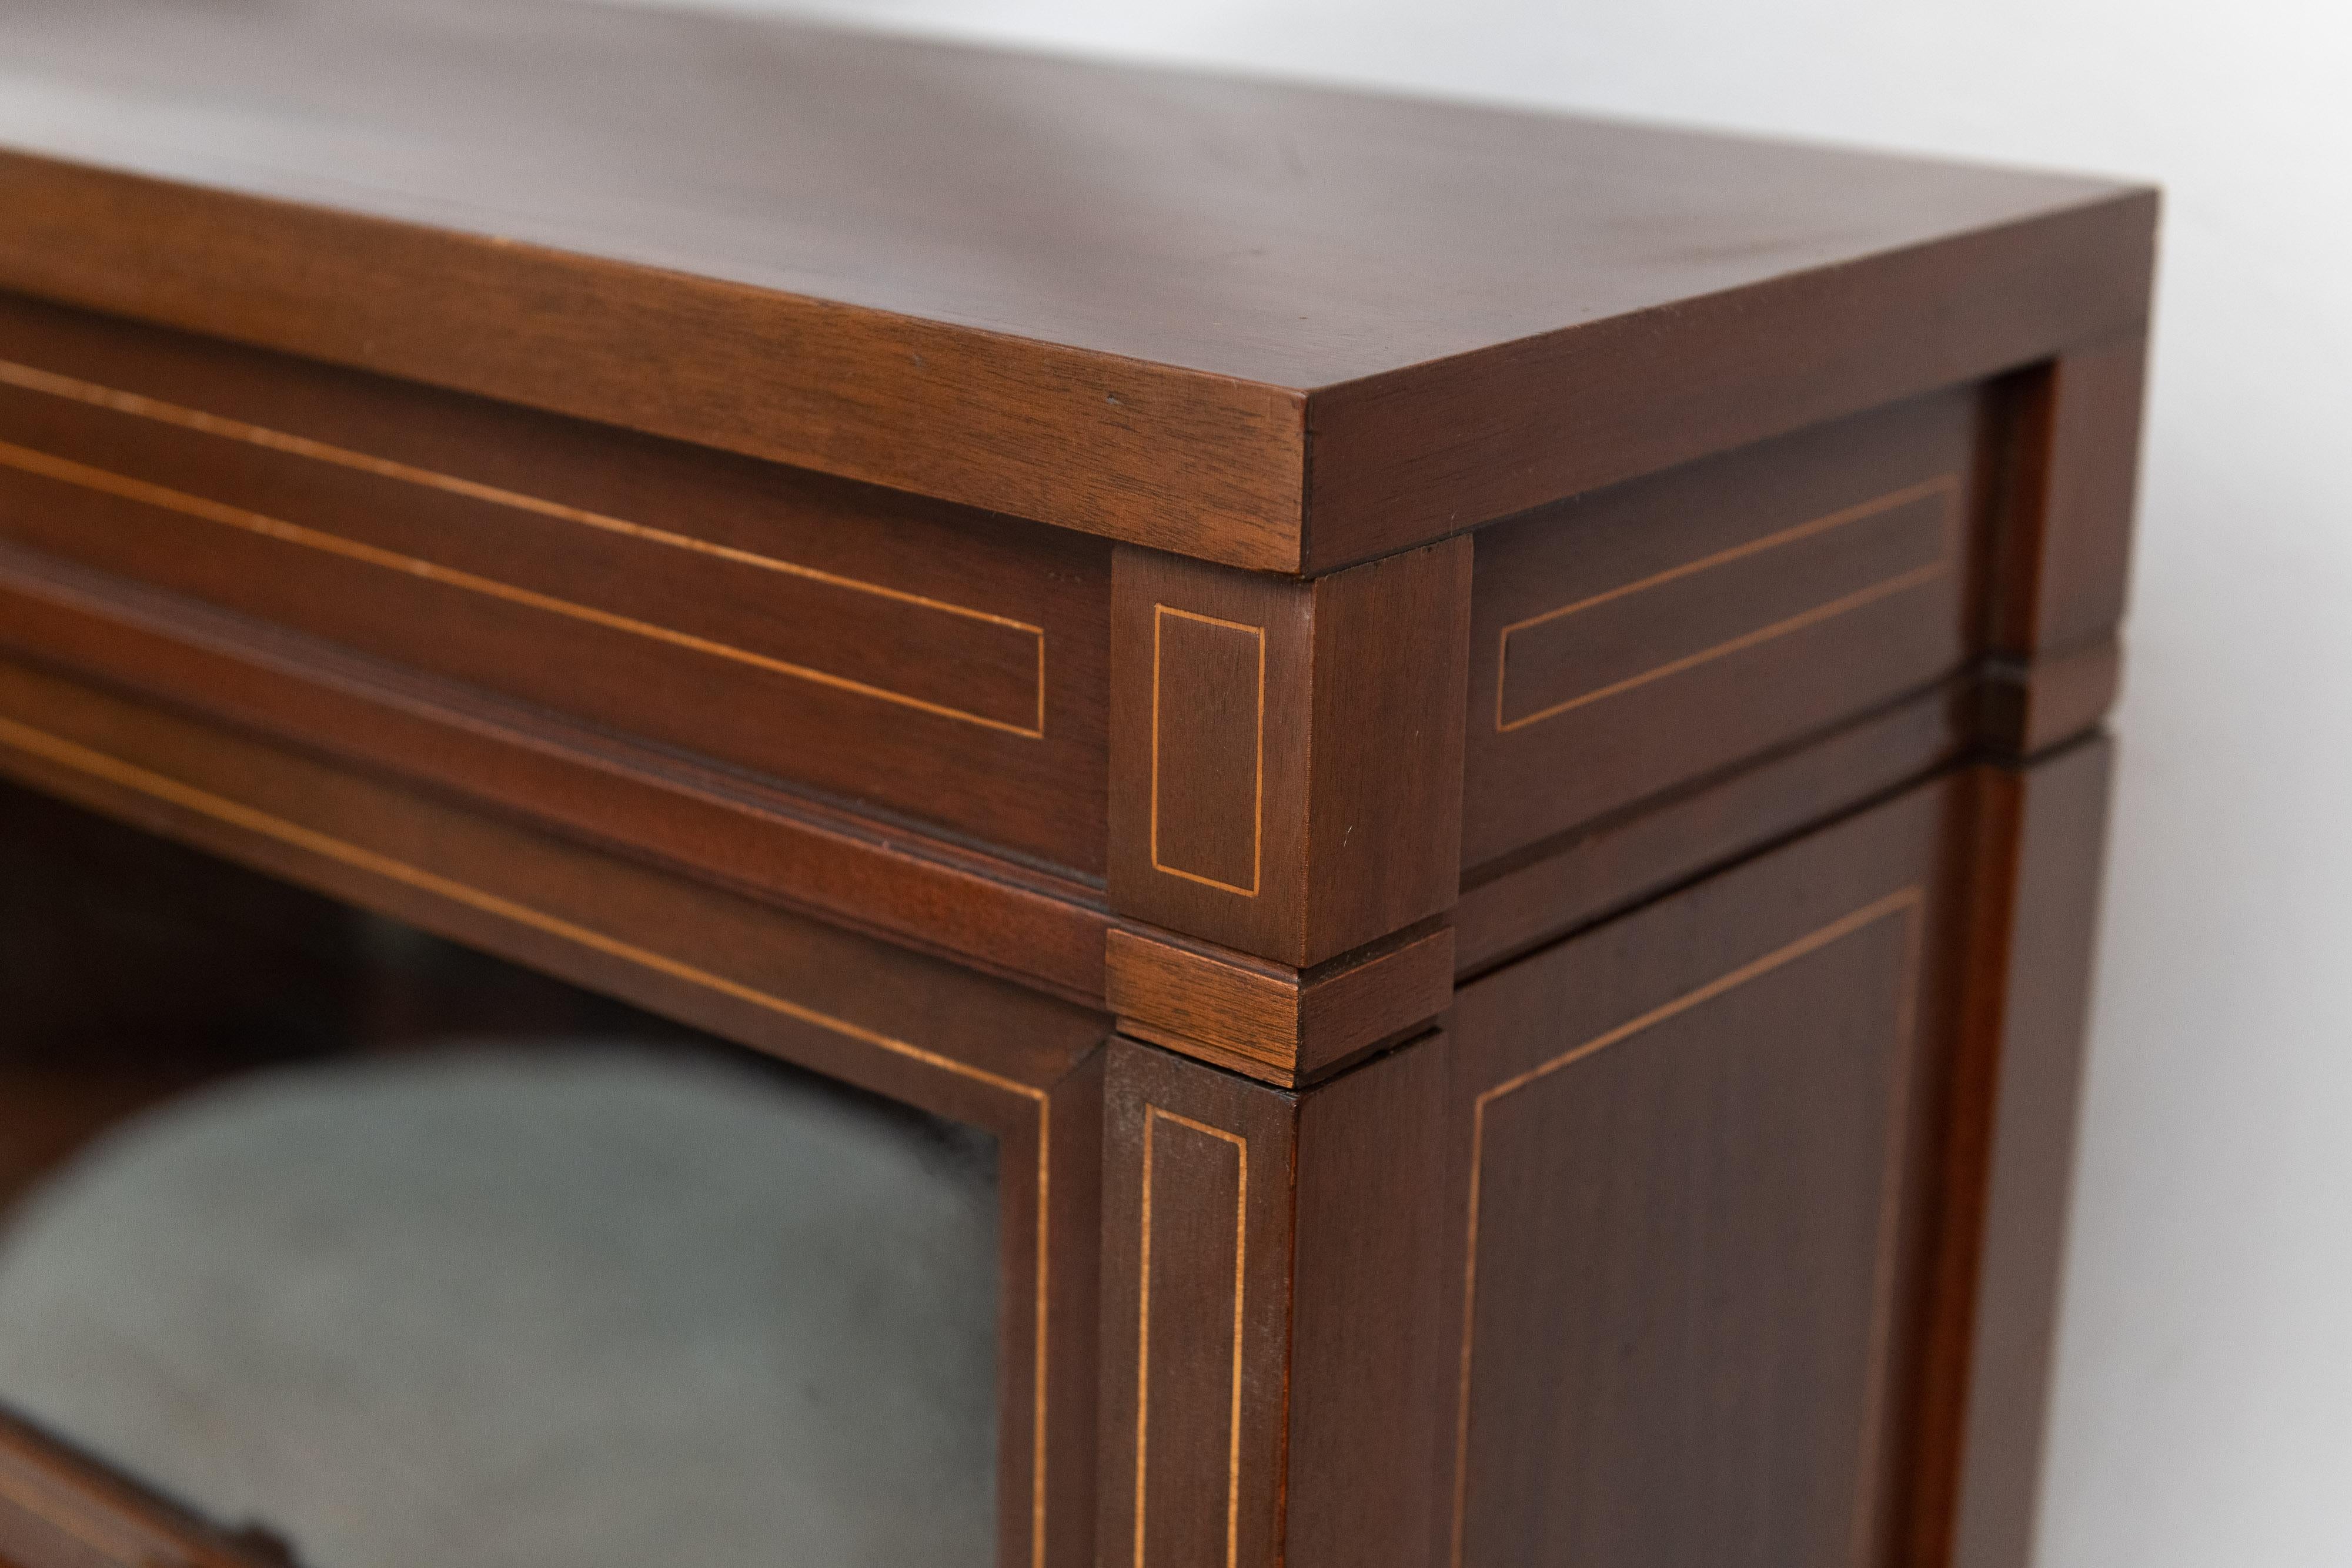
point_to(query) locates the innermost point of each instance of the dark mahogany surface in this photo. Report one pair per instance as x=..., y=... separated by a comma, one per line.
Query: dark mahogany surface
x=1275, y=234
x=1273, y=326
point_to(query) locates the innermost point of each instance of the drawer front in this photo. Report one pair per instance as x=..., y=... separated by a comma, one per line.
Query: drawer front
x=896, y=653
x=1632, y=640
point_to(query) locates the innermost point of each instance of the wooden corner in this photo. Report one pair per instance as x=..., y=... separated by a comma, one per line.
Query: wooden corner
x=1285, y=754
x=2062, y=546
x=1272, y=1391
x=2025, y=707
x=1280, y=1025
x=2064, y=543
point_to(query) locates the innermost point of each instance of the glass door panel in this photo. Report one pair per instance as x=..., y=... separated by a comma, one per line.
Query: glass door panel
x=382, y=1253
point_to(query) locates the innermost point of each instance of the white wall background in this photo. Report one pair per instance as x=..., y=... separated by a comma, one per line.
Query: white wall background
x=2204, y=1412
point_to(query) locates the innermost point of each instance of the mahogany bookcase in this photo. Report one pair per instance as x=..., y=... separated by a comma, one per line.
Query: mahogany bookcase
x=1474, y=735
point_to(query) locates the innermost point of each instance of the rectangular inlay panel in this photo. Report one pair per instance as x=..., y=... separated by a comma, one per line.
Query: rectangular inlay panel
x=1630, y=641
x=943, y=664
x=1624, y=638
x=1776, y=1224
x=834, y=630
x=1208, y=751
x=1686, y=1282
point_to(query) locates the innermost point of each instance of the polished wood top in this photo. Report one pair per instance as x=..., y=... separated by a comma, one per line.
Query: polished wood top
x=1113, y=299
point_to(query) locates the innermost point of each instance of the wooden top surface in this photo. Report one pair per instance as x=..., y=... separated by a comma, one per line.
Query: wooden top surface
x=1117, y=299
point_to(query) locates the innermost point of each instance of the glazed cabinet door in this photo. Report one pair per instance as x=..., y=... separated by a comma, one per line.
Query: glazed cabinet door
x=325, y=1241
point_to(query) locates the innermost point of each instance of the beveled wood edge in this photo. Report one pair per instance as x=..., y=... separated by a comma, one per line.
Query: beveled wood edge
x=1216, y=470
x=1281, y=1024
x=1222, y=470
x=1561, y=414
x=280, y=845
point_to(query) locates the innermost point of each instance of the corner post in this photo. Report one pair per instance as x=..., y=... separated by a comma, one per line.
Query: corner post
x=1272, y=1393
x=1286, y=804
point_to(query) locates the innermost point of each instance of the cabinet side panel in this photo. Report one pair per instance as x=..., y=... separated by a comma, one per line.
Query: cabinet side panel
x=1688, y=1148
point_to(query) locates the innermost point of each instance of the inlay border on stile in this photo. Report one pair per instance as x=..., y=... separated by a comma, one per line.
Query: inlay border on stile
x=1160, y=614
x=1153, y=1115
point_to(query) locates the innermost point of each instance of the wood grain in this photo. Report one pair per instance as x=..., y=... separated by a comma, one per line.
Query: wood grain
x=1689, y=1152
x=1369, y=1377
x=2066, y=543
x=1293, y=746
x=2039, y=845
x=991, y=914
x=1536, y=670
x=1516, y=904
x=1281, y=328
x=900, y=652
x=1197, y=1230
x=1611, y=399
x=1282, y=1024
x=1311, y=1438
x=1632, y=640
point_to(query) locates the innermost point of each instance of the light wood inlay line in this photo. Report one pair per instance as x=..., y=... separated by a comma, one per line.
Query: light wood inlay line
x=80, y=758
x=1947, y=485
x=30, y=379
x=1890, y=1192
x=1159, y=612
x=1153, y=1115
x=1908, y=902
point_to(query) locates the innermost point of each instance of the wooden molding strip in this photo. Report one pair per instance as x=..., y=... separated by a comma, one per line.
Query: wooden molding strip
x=2027, y=707
x=1280, y=1025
